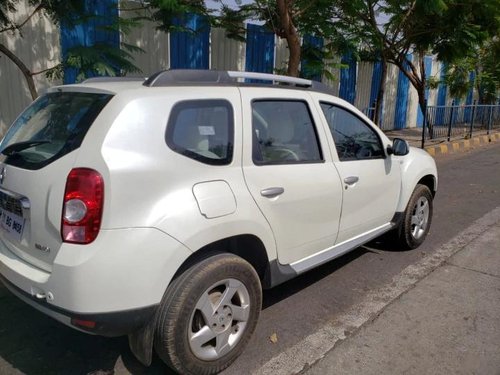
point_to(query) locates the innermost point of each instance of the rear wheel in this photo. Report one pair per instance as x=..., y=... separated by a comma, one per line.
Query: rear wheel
x=417, y=218
x=208, y=314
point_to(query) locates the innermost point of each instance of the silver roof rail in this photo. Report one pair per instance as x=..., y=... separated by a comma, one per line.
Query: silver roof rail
x=114, y=79
x=270, y=77
x=180, y=76
x=194, y=76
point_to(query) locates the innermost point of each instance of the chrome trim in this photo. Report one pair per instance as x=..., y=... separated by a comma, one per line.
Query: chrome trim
x=270, y=77
x=335, y=251
x=272, y=192
x=351, y=180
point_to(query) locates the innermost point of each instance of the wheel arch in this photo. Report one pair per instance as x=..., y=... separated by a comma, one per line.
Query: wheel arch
x=246, y=246
x=429, y=181
x=418, y=167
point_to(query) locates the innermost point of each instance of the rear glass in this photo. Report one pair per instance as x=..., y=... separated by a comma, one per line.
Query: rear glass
x=51, y=127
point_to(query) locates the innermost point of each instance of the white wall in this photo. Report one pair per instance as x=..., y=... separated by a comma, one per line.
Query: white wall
x=364, y=85
x=281, y=55
x=155, y=43
x=225, y=53
x=391, y=89
x=39, y=49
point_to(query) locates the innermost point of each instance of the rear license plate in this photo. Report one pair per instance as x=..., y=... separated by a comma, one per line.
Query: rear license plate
x=12, y=224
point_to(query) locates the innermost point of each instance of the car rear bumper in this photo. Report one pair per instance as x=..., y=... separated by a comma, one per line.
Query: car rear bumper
x=110, y=287
x=110, y=324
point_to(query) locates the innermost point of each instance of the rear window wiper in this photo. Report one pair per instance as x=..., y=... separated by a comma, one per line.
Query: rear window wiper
x=20, y=146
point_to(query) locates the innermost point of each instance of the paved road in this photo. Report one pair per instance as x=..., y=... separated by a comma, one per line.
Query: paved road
x=446, y=323
x=31, y=343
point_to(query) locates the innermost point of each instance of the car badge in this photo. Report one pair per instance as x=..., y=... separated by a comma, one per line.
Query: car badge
x=2, y=175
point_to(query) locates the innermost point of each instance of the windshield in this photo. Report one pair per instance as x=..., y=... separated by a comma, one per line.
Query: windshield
x=50, y=128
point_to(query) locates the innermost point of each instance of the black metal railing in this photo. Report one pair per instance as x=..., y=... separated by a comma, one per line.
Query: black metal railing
x=445, y=122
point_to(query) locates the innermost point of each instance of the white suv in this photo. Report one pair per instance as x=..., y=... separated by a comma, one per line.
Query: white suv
x=161, y=208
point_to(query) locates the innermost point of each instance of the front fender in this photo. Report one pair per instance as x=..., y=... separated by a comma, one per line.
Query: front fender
x=415, y=166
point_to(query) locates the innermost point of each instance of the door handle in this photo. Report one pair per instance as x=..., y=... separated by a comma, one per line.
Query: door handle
x=272, y=192
x=351, y=180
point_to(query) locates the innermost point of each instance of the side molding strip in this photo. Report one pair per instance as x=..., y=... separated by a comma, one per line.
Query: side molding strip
x=338, y=250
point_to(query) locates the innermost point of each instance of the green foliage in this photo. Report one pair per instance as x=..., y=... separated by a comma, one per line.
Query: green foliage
x=233, y=21
x=167, y=12
x=6, y=7
x=393, y=29
x=308, y=17
x=62, y=10
x=320, y=61
x=99, y=60
x=484, y=62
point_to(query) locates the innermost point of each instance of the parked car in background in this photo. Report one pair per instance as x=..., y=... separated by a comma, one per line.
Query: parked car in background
x=160, y=209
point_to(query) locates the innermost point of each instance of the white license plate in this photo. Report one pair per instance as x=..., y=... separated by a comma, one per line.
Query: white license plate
x=12, y=224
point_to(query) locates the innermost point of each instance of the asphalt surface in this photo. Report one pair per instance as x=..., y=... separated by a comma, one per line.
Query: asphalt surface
x=445, y=323
x=469, y=187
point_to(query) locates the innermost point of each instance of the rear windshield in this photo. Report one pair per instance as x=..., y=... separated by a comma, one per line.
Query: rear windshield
x=51, y=127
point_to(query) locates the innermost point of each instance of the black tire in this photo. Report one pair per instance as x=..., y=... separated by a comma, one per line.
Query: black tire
x=409, y=234
x=179, y=319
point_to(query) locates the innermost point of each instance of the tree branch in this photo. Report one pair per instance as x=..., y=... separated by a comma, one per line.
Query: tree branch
x=19, y=26
x=399, y=27
x=44, y=70
x=303, y=10
x=24, y=69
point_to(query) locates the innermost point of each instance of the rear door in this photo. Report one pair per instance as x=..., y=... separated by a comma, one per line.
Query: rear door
x=289, y=172
x=36, y=155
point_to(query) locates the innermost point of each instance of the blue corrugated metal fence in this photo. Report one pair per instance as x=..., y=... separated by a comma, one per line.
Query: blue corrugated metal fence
x=95, y=31
x=191, y=49
x=347, y=89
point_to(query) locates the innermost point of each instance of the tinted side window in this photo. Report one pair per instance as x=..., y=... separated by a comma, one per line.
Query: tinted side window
x=202, y=130
x=51, y=127
x=283, y=133
x=354, y=139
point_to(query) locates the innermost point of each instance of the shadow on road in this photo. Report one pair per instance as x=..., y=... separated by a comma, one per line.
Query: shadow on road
x=285, y=290
x=33, y=343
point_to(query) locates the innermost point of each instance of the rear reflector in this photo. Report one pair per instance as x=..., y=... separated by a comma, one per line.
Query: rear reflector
x=82, y=206
x=83, y=323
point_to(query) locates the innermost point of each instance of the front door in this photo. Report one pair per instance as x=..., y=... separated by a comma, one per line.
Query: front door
x=372, y=180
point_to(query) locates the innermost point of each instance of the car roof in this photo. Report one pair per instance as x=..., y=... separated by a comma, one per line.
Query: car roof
x=185, y=77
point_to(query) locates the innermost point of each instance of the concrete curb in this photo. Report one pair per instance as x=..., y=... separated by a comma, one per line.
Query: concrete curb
x=462, y=145
x=313, y=349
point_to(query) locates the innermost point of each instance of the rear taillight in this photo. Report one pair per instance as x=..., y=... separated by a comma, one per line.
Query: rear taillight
x=82, y=206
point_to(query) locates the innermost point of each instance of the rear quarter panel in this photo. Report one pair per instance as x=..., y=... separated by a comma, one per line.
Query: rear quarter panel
x=149, y=185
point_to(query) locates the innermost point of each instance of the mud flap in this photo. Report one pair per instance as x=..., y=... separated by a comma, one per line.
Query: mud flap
x=141, y=343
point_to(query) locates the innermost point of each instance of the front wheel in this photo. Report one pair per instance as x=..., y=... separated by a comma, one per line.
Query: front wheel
x=417, y=218
x=208, y=315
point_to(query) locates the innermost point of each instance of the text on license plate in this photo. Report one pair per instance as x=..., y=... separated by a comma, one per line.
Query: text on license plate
x=12, y=224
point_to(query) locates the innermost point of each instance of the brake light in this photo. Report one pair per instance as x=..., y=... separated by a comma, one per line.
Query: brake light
x=82, y=206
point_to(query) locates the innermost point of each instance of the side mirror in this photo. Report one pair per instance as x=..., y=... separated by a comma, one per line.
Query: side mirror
x=400, y=147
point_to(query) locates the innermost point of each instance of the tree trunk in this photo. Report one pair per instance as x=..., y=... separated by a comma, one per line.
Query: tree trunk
x=24, y=69
x=292, y=38
x=380, y=94
x=293, y=41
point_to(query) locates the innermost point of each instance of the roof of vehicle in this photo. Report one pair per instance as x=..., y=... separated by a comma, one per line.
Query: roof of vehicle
x=181, y=77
